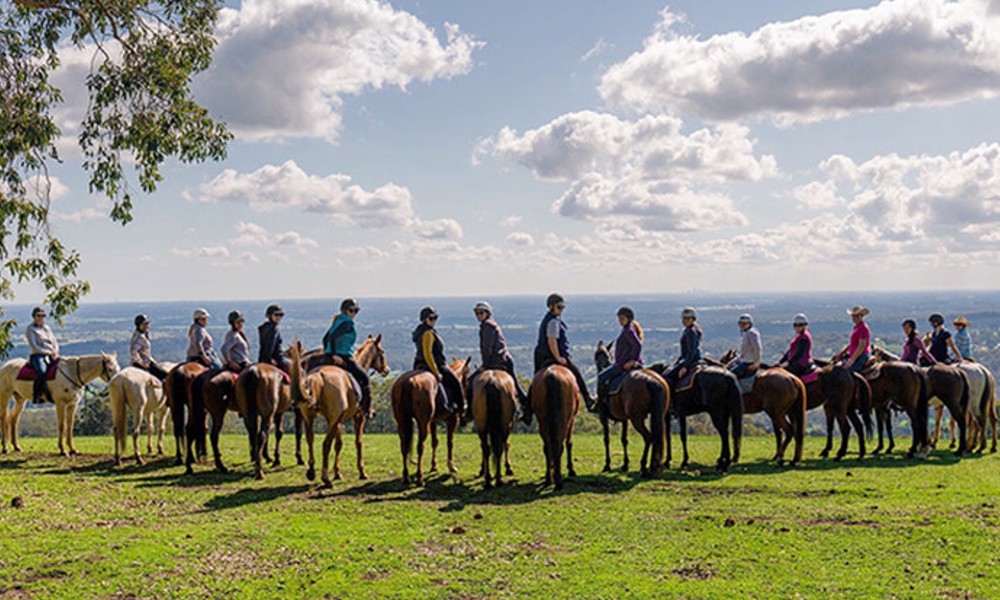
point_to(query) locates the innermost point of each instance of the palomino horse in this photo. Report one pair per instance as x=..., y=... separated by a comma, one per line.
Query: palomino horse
x=493, y=407
x=135, y=390
x=643, y=393
x=901, y=386
x=327, y=391
x=782, y=396
x=414, y=399
x=714, y=390
x=555, y=400
x=72, y=375
x=846, y=398
x=177, y=387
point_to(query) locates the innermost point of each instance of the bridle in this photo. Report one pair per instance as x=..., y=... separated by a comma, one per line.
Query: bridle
x=77, y=381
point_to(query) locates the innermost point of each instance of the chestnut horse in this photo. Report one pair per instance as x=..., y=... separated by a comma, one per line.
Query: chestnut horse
x=782, y=396
x=845, y=397
x=327, y=391
x=904, y=387
x=414, y=399
x=177, y=388
x=555, y=400
x=493, y=408
x=643, y=393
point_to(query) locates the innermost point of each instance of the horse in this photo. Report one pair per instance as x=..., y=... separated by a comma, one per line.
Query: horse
x=493, y=408
x=948, y=387
x=905, y=387
x=555, y=400
x=713, y=390
x=327, y=391
x=177, y=388
x=72, y=374
x=261, y=393
x=414, y=399
x=213, y=392
x=982, y=389
x=846, y=398
x=135, y=390
x=643, y=393
x=782, y=396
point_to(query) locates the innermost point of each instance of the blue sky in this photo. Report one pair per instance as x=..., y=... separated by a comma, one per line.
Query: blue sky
x=476, y=148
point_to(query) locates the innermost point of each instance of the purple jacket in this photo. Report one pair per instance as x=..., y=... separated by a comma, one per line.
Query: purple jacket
x=628, y=346
x=914, y=349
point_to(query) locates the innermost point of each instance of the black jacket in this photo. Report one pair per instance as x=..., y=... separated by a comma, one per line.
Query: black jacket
x=270, y=343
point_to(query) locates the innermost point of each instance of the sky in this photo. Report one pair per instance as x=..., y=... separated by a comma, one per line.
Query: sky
x=515, y=147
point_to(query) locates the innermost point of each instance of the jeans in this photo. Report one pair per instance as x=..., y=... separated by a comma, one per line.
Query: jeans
x=860, y=363
x=740, y=369
x=40, y=363
x=153, y=369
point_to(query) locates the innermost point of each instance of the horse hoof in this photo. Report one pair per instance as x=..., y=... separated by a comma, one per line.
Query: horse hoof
x=453, y=470
x=299, y=461
x=259, y=476
x=188, y=470
x=499, y=483
x=311, y=475
x=433, y=469
x=570, y=473
x=337, y=477
x=645, y=474
x=487, y=485
x=275, y=464
x=838, y=458
x=222, y=469
x=363, y=476
x=606, y=469
x=624, y=468
x=558, y=486
x=826, y=454
x=118, y=462
x=178, y=462
x=509, y=472
x=420, y=482
x=139, y=461
x=327, y=484
x=779, y=463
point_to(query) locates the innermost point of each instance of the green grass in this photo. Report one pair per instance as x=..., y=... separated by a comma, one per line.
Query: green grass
x=887, y=527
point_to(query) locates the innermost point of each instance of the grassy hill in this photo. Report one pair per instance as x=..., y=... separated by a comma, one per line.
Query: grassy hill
x=887, y=527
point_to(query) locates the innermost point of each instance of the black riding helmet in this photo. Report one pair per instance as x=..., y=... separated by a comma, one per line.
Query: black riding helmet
x=554, y=299
x=38, y=310
x=427, y=312
x=274, y=309
x=936, y=319
x=140, y=319
x=235, y=316
x=627, y=312
x=349, y=304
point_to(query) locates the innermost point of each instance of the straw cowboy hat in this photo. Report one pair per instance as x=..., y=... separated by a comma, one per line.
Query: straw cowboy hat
x=961, y=321
x=857, y=310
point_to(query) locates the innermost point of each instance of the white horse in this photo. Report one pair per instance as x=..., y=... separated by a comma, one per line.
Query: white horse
x=135, y=390
x=982, y=388
x=72, y=375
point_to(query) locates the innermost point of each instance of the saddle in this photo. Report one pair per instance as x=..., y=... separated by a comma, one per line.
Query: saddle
x=27, y=373
x=687, y=382
x=746, y=384
x=810, y=377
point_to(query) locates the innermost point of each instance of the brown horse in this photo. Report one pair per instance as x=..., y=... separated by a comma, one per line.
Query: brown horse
x=904, y=387
x=177, y=387
x=782, y=396
x=493, y=408
x=414, y=400
x=327, y=391
x=846, y=398
x=555, y=400
x=213, y=392
x=643, y=393
x=261, y=393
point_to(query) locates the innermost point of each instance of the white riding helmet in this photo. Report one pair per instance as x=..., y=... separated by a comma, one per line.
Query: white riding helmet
x=201, y=313
x=746, y=318
x=689, y=312
x=483, y=305
x=800, y=319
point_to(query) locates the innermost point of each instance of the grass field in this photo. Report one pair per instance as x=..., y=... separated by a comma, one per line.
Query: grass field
x=887, y=527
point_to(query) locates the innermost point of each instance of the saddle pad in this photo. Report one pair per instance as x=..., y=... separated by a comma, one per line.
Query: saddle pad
x=687, y=382
x=746, y=384
x=28, y=374
x=810, y=377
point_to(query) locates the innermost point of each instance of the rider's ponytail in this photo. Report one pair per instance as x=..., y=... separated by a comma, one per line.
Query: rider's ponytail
x=638, y=330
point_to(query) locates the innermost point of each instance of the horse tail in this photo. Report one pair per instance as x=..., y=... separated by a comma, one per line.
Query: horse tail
x=198, y=412
x=923, y=403
x=863, y=394
x=657, y=420
x=798, y=413
x=494, y=417
x=554, y=409
x=177, y=394
x=735, y=413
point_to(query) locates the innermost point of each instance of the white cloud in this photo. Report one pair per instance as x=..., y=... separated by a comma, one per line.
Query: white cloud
x=899, y=53
x=79, y=216
x=647, y=169
x=253, y=235
x=202, y=252
x=283, y=67
x=519, y=238
x=818, y=195
x=599, y=48
x=515, y=220
x=440, y=229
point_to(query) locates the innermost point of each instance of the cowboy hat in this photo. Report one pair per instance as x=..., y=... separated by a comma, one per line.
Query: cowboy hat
x=858, y=310
x=961, y=321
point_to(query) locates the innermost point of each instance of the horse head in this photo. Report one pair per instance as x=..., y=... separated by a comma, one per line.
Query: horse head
x=461, y=368
x=602, y=355
x=377, y=360
x=109, y=366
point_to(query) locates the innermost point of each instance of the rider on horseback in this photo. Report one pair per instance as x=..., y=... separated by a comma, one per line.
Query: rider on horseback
x=200, y=347
x=914, y=350
x=858, y=350
x=495, y=355
x=798, y=359
x=270, y=339
x=749, y=358
x=628, y=356
x=44, y=352
x=430, y=357
x=140, y=349
x=552, y=347
x=690, y=356
x=236, y=347
x=941, y=340
x=338, y=345
x=963, y=340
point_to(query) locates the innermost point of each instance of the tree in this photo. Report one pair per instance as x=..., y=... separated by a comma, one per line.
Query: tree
x=140, y=112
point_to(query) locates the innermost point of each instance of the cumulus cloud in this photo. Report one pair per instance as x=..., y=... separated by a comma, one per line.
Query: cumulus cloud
x=647, y=169
x=519, y=238
x=210, y=252
x=283, y=67
x=896, y=54
x=277, y=187
x=253, y=235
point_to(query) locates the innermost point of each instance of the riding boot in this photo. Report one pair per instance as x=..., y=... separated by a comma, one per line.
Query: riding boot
x=602, y=398
x=39, y=392
x=366, y=401
x=525, y=401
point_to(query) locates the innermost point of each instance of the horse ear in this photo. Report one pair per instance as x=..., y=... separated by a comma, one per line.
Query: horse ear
x=378, y=340
x=600, y=344
x=369, y=336
x=610, y=345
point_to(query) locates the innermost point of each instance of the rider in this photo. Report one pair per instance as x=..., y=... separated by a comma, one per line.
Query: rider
x=338, y=345
x=495, y=355
x=690, y=356
x=430, y=357
x=270, y=339
x=750, y=349
x=628, y=355
x=200, y=347
x=798, y=359
x=963, y=341
x=236, y=347
x=552, y=347
x=140, y=349
x=857, y=352
x=44, y=352
x=941, y=340
x=914, y=350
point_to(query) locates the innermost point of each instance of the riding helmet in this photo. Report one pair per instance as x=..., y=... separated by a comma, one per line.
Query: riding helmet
x=936, y=319
x=746, y=318
x=140, y=319
x=689, y=312
x=554, y=299
x=800, y=319
x=627, y=312
x=235, y=316
x=349, y=304
x=427, y=312
x=38, y=310
x=484, y=306
x=201, y=313
x=274, y=309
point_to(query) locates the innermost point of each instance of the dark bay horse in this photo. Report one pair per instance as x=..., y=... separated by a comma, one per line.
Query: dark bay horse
x=904, y=387
x=847, y=399
x=177, y=387
x=493, y=407
x=414, y=401
x=715, y=391
x=644, y=393
x=555, y=400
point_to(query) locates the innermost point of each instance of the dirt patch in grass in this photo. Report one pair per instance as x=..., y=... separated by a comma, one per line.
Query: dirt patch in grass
x=696, y=571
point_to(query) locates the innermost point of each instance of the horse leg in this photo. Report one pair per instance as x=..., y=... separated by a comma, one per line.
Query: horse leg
x=888, y=431
x=508, y=469
x=450, y=428
x=845, y=435
x=425, y=429
x=160, y=429
x=298, y=438
x=61, y=428
x=625, y=446
x=682, y=428
x=570, y=471
x=993, y=424
x=263, y=430
x=645, y=469
x=177, y=416
x=858, y=427
x=484, y=469
x=359, y=433
x=149, y=431
x=879, y=424
x=938, y=415
x=829, y=431
x=547, y=450
x=338, y=445
x=434, y=447
x=722, y=426
x=70, y=419
x=218, y=420
x=310, y=437
x=777, y=438
x=962, y=445
x=278, y=434
x=331, y=434
x=607, y=444
x=136, y=430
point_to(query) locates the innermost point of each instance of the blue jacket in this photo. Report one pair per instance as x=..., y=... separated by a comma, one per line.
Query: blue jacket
x=340, y=338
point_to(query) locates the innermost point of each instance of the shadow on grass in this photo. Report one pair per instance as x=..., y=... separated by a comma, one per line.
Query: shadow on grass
x=248, y=496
